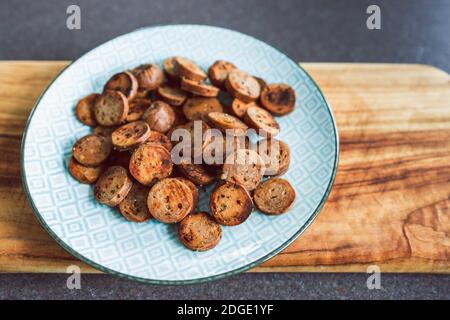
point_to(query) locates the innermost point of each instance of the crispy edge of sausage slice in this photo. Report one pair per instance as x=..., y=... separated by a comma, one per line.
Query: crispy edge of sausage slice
x=83, y=174
x=170, y=200
x=149, y=76
x=145, y=169
x=197, y=108
x=124, y=82
x=113, y=186
x=198, y=173
x=218, y=72
x=111, y=101
x=199, y=88
x=230, y=204
x=274, y=196
x=172, y=95
x=261, y=120
x=186, y=68
x=91, y=150
x=244, y=167
x=130, y=135
x=199, y=231
x=242, y=85
x=85, y=110
x=227, y=123
x=137, y=108
x=134, y=206
x=160, y=116
x=278, y=98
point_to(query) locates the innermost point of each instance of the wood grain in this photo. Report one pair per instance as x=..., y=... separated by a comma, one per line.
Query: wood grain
x=390, y=205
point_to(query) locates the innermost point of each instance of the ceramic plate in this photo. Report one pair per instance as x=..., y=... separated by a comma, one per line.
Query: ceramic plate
x=150, y=251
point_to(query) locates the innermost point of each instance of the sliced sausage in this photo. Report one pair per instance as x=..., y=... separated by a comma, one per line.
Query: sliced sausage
x=242, y=86
x=227, y=123
x=91, y=150
x=130, y=135
x=83, y=174
x=199, y=88
x=111, y=108
x=219, y=71
x=85, y=110
x=262, y=121
x=276, y=156
x=230, y=204
x=172, y=95
x=193, y=188
x=197, y=108
x=161, y=139
x=274, y=196
x=134, y=206
x=198, y=173
x=185, y=68
x=150, y=162
x=278, y=98
x=160, y=116
x=169, y=69
x=137, y=108
x=239, y=108
x=170, y=200
x=244, y=167
x=149, y=76
x=199, y=231
x=124, y=82
x=113, y=186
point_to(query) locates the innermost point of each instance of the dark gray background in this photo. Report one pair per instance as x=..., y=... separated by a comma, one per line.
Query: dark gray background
x=413, y=31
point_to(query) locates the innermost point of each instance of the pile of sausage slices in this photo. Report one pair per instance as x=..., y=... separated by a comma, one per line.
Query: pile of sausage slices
x=129, y=154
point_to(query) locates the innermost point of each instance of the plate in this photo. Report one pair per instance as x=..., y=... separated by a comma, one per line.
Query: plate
x=151, y=252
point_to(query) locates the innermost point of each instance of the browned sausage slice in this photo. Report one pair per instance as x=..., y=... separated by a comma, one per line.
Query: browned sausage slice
x=85, y=110
x=227, y=123
x=169, y=69
x=134, y=206
x=112, y=186
x=91, y=150
x=219, y=71
x=262, y=121
x=170, y=200
x=83, y=174
x=150, y=162
x=198, y=173
x=199, y=88
x=160, y=138
x=244, y=167
x=199, y=231
x=124, y=82
x=239, y=108
x=149, y=76
x=160, y=116
x=242, y=86
x=172, y=95
x=276, y=156
x=130, y=135
x=185, y=68
x=193, y=188
x=111, y=108
x=278, y=98
x=137, y=108
x=274, y=196
x=197, y=108
x=230, y=204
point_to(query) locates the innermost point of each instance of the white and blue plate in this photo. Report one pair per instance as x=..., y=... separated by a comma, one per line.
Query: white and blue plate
x=150, y=251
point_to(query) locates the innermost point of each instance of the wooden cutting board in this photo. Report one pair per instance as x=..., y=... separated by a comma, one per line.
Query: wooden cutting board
x=390, y=205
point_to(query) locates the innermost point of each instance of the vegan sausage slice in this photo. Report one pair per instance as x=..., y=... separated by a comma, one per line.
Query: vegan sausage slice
x=219, y=71
x=130, y=135
x=134, y=206
x=274, y=196
x=170, y=200
x=199, y=88
x=111, y=108
x=278, y=98
x=91, y=150
x=186, y=68
x=244, y=167
x=83, y=174
x=230, y=204
x=197, y=108
x=242, y=86
x=149, y=76
x=113, y=186
x=85, y=110
x=262, y=121
x=276, y=156
x=199, y=231
x=124, y=82
x=227, y=123
x=172, y=95
x=160, y=116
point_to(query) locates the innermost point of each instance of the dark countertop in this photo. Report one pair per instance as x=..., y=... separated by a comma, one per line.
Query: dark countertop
x=413, y=31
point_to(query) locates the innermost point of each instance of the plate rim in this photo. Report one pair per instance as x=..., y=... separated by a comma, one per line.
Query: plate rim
x=246, y=267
